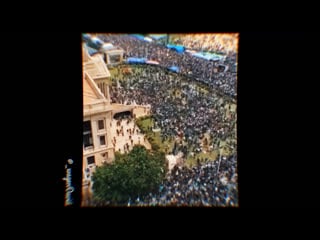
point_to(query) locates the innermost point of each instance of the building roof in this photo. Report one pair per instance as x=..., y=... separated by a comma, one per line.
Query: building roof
x=85, y=55
x=96, y=67
x=91, y=93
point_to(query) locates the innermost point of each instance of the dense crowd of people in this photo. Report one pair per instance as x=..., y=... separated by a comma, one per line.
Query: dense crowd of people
x=209, y=184
x=180, y=110
x=197, y=68
x=224, y=43
x=186, y=113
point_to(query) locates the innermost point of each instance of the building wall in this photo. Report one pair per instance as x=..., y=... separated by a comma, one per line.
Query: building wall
x=99, y=149
x=112, y=53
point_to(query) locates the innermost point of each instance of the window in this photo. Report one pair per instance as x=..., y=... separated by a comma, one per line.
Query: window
x=102, y=140
x=87, y=140
x=114, y=58
x=100, y=124
x=87, y=135
x=90, y=160
x=105, y=157
x=86, y=126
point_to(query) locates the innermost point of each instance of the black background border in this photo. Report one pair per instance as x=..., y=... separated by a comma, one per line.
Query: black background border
x=43, y=105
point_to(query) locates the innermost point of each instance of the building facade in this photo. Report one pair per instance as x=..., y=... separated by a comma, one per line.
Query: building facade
x=97, y=117
x=98, y=71
x=98, y=114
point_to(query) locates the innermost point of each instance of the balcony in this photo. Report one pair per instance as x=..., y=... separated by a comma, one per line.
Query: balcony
x=95, y=108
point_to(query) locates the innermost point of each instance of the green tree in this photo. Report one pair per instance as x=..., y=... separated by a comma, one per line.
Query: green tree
x=129, y=176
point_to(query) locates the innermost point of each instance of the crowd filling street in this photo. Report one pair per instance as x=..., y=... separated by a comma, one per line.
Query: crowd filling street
x=195, y=108
x=199, y=69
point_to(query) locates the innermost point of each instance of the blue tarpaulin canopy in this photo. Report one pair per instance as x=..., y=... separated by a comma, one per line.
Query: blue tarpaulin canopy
x=178, y=48
x=174, y=69
x=97, y=41
x=139, y=36
x=93, y=42
x=136, y=60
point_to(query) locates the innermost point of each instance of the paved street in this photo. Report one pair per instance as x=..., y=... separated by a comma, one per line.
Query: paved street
x=123, y=138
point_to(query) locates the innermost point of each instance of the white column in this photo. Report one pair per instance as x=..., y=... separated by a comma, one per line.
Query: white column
x=94, y=134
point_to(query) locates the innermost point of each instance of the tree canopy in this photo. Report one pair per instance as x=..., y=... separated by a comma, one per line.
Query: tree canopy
x=129, y=176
